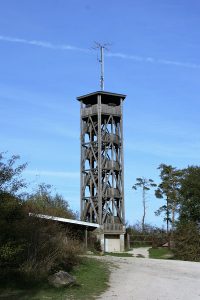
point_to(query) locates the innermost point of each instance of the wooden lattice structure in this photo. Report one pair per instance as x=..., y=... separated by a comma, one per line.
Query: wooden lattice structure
x=102, y=160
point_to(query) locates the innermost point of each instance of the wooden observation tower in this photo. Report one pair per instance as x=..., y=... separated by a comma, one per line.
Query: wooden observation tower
x=102, y=166
x=102, y=163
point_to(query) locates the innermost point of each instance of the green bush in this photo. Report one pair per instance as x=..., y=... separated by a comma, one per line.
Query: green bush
x=187, y=241
x=29, y=246
x=10, y=251
x=50, y=248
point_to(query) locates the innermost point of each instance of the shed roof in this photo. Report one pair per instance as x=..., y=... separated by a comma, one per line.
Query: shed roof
x=64, y=220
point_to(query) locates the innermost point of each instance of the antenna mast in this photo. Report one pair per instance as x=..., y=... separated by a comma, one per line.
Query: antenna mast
x=102, y=67
x=101, y=61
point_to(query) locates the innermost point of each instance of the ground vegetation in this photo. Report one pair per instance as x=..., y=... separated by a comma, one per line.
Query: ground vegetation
x=32, y=248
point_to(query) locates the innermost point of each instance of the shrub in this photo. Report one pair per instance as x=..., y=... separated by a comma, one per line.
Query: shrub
x=9, y=252
x=31, y=246
x=187, y=241
x=36, y=247
x=43, y=202
x=50, y=248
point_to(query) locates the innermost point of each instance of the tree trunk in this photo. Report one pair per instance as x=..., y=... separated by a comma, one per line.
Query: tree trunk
x=144, y=209
x=168, y=233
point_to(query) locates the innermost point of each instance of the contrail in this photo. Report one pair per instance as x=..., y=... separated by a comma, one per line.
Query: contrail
x=53, y=173
x=154, y=60
x=66, y=47
x=42, y=44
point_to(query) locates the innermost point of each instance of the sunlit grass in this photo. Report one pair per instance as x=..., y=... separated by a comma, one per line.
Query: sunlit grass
x=91, y=280
x=160, y=253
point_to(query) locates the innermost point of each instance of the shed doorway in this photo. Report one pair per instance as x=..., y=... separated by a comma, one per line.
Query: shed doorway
x=112, y=243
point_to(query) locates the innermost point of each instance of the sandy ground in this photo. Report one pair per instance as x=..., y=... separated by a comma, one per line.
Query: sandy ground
x=152, y=279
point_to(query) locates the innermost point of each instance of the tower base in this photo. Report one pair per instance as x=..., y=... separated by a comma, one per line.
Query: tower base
x=111, y=242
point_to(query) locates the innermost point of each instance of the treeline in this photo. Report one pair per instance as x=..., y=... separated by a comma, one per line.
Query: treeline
x=180, y=190
x=30, y=247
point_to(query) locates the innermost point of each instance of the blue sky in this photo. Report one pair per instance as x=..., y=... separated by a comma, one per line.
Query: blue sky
x=46, y=61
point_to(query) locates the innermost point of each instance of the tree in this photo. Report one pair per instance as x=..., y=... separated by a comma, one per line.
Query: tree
x=10, y=175
x=169, y=188
x=190, y=195
x=12, y=214
x=145, y=184
x=187, y=233
x=42, y=201
x=187, y=241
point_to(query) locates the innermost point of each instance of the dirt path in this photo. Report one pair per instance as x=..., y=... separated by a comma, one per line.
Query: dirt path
x=152, y=279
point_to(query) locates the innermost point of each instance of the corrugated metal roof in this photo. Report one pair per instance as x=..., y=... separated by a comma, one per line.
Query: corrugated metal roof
x=64, y=220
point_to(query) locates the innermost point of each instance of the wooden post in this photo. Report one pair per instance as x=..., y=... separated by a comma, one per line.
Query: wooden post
x=122, y=160
x=99, y=141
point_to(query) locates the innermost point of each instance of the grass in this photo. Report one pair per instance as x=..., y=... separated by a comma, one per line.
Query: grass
x=136, y=246
x=91, y=276
x=160, y=253
x=119, y=254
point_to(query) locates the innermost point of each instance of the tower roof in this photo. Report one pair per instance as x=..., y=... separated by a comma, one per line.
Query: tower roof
x=105, y=96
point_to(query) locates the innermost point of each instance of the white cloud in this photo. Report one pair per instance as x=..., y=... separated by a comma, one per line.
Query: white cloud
x=42, y=44
x=152, y=60
x=61, y=174
x=125, y=56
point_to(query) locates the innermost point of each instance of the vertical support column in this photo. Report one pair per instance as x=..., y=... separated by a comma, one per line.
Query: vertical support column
x=101, y=238
x=128, y=241
x=102, y=242
x=122, y=160
x=81, y=160
x=113, y=171
x=99, y=141
x=121, y=242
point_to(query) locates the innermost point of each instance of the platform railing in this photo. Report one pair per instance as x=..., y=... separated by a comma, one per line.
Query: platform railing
x=105, y=109
x=115, y=227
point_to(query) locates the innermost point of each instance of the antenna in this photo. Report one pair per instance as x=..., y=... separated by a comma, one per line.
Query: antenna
x=101, y=60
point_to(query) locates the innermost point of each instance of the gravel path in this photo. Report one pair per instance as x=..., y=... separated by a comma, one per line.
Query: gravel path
x=152, y=279
x=140, y=252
